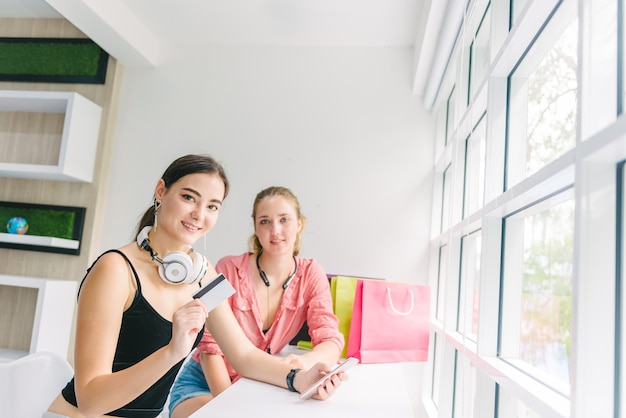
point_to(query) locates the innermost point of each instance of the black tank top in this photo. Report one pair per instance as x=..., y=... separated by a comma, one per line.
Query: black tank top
x=143, y=332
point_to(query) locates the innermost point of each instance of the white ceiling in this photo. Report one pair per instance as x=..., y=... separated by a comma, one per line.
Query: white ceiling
x=135, y=31
x=271, y=22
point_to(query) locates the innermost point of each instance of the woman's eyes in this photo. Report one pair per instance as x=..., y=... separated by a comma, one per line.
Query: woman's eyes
x=190, y=198
x=266, y=221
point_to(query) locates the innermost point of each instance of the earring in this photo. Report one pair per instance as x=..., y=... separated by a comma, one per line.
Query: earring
x=157, y=205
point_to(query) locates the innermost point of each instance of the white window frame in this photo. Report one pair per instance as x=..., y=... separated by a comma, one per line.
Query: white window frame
x=590, y=167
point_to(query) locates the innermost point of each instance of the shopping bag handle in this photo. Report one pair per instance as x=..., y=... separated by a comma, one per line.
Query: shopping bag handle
x=393, y=308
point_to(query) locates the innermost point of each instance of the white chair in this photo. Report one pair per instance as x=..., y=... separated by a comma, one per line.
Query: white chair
x=29, y=384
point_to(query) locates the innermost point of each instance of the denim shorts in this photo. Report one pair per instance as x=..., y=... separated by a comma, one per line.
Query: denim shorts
x=189, y=383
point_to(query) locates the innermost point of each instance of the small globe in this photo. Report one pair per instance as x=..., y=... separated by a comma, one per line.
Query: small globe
x=17, y=225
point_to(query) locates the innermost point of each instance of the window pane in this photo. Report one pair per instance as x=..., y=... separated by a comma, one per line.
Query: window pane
x=450, y=122
x=464, y=388
x=542, y=103
x=475, y=163
x=479, y=54
x=516, y=8
x=437, y=366
x=535, y=332
x=441, y=281
x=510, y=406
x=446, y=196
x=622, y=52
x=440, y=131
x=469, y=294
x=621, y=304
x=552, y=103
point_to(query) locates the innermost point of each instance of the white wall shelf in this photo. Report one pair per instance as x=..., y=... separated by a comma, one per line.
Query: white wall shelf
x=53, y=319
x=78, y=142
x=39, y=241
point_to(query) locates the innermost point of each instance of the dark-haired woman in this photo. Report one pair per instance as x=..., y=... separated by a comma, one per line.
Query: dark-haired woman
x=137, y=320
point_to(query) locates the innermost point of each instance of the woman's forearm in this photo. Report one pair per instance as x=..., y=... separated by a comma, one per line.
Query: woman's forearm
x=215, y=372
x=325, y=352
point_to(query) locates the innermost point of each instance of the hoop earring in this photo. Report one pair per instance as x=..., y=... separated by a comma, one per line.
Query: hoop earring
x=157, y=205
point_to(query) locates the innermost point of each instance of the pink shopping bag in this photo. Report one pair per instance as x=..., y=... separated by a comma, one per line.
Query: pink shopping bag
x=390, y=322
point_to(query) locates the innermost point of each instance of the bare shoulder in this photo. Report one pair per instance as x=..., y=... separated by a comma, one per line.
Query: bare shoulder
x=109, y=273
x=111, y=262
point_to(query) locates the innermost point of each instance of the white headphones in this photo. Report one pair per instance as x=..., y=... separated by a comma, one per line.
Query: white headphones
x=176, y=267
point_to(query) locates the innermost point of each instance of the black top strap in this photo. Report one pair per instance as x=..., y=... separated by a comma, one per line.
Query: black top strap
x=127, y=261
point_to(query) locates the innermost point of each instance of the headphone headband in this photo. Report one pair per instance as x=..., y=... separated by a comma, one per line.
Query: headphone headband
x=144, y=242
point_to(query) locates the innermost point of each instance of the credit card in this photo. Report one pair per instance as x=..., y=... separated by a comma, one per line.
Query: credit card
x=214, y=292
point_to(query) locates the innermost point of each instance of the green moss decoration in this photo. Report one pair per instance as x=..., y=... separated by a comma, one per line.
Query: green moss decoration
x=60, y=60
x=46, y=221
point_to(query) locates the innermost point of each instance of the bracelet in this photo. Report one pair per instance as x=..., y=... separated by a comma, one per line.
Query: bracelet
x=290, y=376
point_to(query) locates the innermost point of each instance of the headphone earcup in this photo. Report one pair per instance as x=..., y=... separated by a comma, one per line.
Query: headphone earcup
x=176, y=268
x=200, y=267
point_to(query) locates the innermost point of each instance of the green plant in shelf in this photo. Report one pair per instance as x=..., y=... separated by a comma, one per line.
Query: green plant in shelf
x=43, y=222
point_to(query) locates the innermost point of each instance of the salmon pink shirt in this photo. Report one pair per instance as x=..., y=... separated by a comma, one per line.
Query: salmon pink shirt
x=307, y=298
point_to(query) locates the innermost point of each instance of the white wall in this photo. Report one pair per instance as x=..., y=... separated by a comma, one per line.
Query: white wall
x=339, y=126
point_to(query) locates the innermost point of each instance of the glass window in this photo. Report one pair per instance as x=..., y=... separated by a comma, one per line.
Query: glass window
x=446, y=197
x=621, y=46
x=529, y=261
x=479, y=54
x=536, y=321
x=441, y=281
x=620, y=393
x=437, y=368
x=469, y=292
x=475, y=164
x=440, y=131
x=464, y=387
x=450, y=111
x=510, y=406
x=516, y=9
x=543, y=101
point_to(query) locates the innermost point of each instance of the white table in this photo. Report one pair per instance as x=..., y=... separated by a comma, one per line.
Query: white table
x=372, y=390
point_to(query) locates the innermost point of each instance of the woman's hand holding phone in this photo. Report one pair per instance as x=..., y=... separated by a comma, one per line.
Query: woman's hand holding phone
x=325, y=386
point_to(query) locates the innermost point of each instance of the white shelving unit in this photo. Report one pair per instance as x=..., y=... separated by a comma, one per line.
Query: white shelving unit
x=39, y=241
x=54, y=313
x=79, y=139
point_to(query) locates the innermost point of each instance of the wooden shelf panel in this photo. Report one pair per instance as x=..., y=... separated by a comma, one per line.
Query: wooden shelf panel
x=53, y=316
x=76, y=147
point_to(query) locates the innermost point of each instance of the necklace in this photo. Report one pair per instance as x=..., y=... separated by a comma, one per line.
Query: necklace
x=267, y=287
x=264, y=276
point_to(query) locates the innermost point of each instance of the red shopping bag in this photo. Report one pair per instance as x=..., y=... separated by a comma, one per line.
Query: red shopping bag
x=390, y=322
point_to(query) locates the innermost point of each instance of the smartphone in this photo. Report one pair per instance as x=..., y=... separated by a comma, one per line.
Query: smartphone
x=341, y=367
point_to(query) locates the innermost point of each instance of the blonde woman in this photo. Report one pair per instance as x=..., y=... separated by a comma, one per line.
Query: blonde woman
x=276, y=291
